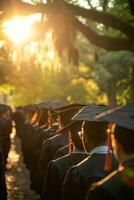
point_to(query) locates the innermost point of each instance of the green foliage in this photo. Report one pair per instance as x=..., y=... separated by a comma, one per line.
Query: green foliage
x=51, y=87
x=5, y=66
x=114, y=70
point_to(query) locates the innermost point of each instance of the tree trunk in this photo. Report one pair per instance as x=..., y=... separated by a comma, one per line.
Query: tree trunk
x=111, y=93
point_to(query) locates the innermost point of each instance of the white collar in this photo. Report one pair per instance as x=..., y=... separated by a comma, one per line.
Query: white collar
x=100, y=150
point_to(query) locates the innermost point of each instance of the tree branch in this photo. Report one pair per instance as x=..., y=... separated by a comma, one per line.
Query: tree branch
x=105, y=4
x=20, y=7
x=102, y=17
x=108, y=43
x=89, y=3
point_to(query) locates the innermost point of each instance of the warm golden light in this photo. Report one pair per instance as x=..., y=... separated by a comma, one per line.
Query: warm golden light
x=31, y=48
x=51, y=54
x=2, y=43
x=18, y=29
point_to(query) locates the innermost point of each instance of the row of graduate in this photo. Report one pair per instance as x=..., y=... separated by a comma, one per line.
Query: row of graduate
x=5, y=130
x=69, y=154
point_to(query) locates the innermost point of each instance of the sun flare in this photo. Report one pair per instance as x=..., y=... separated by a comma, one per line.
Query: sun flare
x=51, y=54
x=19, y=29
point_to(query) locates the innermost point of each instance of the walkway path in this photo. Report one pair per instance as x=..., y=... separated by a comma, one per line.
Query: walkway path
x=17, y=176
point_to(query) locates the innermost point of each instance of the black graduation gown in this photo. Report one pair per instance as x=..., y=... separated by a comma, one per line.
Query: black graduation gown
x=56, y=172
x=40, y=136
x=3, y=189
x=63, y=151
x=27, y=141
x=49, y=148
x=6, y=127
x=119, y=185
x=82, y=175
x=19, y=119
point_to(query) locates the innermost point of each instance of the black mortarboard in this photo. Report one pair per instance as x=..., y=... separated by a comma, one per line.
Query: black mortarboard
x=56, y=105
x=123, y=116
x=88, y=113
x=52, y=105
x=128, y=108
x=66, y=115
x=69, y=106
x=28, y=108
x=3, y=107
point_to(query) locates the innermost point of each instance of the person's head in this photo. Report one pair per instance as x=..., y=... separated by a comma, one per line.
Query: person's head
x=3, y=109
x=65, y=116
x=123, y=143
x=75, y=128
x=43, y=117
x=94, y=134
x=122, y=130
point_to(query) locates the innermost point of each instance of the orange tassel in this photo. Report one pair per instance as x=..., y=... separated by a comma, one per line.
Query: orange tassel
x=60, y=123
x=108, y=160
x=49, y=119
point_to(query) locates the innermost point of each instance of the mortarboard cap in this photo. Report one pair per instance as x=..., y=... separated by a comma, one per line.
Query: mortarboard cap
x=128, y=108
x=69, y=106
x=3, y=108
x=52, y=105
x=88, y=113
x=66, y=115
x=28, y=108
x=122, y=116
x=56, y=105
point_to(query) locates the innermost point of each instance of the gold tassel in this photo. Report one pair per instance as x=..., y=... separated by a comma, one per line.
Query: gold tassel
x=108, y=161
x=60, y=123
x=49, y=119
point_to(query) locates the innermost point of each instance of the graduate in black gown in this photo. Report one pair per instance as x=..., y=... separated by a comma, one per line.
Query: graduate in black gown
x=51, y=145
x=86, y=172
x=5, y=130
x=119, y=185
x=58, y=168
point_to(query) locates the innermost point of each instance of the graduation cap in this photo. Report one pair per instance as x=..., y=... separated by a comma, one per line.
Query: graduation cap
x=64, y=118
x=88, y=113
x=128, y=108
x=3, y=108
x=28, y=108
x=52, y=105
x=122, y=116
x=69, y=106
x=67, y=114
x=50, y=108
